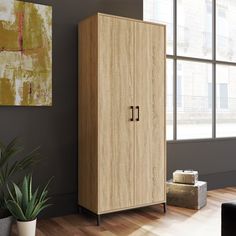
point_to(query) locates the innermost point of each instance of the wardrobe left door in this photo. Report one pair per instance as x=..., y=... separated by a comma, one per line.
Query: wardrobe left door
x=115, y=125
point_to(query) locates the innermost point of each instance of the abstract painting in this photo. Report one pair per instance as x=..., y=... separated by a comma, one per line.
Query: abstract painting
x=25, y=54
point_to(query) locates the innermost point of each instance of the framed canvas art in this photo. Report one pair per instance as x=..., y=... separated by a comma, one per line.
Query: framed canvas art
x=25, y=54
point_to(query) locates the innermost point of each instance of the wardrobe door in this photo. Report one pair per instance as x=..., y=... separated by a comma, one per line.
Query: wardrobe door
x=150, y=124
x=115, y=98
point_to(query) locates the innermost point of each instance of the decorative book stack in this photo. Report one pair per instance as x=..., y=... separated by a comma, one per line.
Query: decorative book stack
x=186, y=191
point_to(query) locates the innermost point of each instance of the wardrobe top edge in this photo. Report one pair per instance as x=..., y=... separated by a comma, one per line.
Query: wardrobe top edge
x=122, y=17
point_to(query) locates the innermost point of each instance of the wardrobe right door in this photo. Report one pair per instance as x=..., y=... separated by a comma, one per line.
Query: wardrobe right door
x=149, y=80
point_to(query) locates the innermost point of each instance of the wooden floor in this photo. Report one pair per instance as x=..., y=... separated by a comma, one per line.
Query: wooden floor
x=149, y=221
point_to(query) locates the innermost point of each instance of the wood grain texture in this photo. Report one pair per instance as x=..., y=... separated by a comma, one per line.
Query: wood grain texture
x=129, y=19
x=88, y=113
x=115, y=130
x=114, y=53
x=148, y=221
x=150, y=156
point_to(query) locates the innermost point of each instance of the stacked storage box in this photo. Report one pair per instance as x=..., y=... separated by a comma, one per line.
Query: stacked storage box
x=186, y=191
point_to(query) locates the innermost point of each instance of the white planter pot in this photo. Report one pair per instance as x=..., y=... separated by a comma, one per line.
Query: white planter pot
x=26, y=228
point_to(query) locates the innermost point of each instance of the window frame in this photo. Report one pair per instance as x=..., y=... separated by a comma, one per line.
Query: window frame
x=213, y=61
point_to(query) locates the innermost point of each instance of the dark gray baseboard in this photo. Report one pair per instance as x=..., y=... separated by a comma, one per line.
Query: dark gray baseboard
x=219, y=180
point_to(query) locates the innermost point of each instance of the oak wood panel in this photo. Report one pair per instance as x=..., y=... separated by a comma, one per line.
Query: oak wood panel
x=115, y=130
x=149, y=221
x=150, y=154
x=88, y=123
x=129, y=19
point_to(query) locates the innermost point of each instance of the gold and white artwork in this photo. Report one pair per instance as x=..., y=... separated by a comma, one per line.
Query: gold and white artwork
x=25, y=54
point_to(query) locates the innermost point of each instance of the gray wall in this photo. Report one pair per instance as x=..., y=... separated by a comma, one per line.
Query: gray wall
x=214, y=159
x=55, y=128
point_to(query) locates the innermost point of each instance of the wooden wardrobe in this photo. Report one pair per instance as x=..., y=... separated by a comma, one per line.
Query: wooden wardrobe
x=122, y=147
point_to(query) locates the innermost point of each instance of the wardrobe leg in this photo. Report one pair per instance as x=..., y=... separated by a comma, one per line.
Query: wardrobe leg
x=98, y=220
x=164, y=207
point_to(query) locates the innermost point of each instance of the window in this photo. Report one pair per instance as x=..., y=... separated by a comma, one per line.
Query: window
x=223, y=96
x=179, y=91
x=194, y=28
x=194, y=119
x=210, y=95
x=225, y=101
x=201, y=66
x=226, y=30
x=169, y=100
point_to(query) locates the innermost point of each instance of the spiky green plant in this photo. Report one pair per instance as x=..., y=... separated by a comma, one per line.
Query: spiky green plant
x=12, y=164
x=25, y=205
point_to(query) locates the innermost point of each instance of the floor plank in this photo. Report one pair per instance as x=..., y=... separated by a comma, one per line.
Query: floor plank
x=149, y=221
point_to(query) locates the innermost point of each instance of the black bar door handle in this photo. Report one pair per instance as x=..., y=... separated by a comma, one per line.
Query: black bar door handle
x=137, y=119
x=132, y=110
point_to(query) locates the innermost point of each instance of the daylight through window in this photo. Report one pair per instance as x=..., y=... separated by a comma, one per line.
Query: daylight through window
x=201, y=66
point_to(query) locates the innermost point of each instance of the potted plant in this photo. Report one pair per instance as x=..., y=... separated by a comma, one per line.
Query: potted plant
x=25, y=205
x=10, y=166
